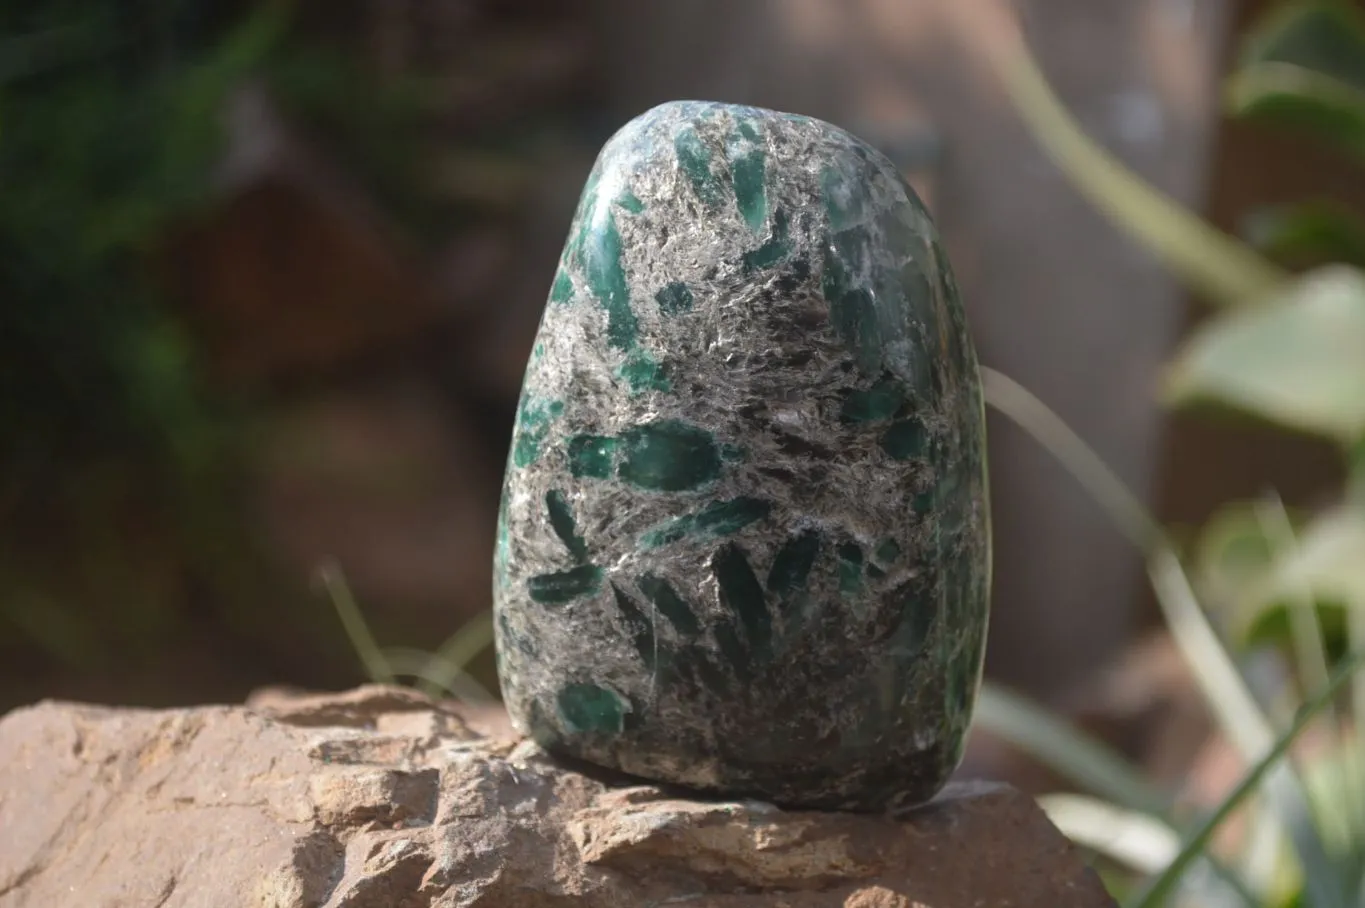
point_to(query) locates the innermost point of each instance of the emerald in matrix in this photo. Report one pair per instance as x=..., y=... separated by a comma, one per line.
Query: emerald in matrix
x=744, y=543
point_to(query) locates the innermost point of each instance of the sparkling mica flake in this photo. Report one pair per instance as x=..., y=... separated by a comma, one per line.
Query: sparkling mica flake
x=743, y=544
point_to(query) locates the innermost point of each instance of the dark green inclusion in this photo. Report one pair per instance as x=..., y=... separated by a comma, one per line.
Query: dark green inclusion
x=562, y=289
x=672, y=606
x=587, y=199
x=601, y=258
x=719, y=518
x=591, y=456
x=917, y=612
x=561, y=520
x=854, y=315
x=694, y=157
x=870, y=301
x=640, y=627
x=747, y=172
x=698, y=663
x=899, y=234
x=589, y=709
x=674, y=298
x=777, y=247
x=852, y=309
x=850, y=568
x=792, y=564
x=904, y=439
x=642, y=372
x=888, y=550
x=630, y=202
x=733, y=453
x=742, y=594
x=733, y=648
x=879, y=402
x=668, y=456
x=565, y=586
x=964, y=680
x=533, y=423
x=845, y=198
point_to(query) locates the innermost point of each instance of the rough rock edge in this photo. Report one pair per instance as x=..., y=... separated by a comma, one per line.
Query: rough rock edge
x=380, y=797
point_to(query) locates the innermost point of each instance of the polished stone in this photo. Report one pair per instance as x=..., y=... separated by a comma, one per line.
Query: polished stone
x=744, y=544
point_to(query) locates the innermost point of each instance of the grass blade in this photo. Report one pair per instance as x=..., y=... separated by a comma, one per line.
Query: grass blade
x=1239, y=715
x=1067, y=751
x=371, y=657
x=1353, y=761
x=454, y=655
x=439, y=677
x=1230, y=701
x=1160, y=889
x=1310, y=653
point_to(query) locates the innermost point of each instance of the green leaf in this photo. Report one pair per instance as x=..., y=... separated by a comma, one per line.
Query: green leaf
x=1231, y=555
x=1131, y=837
x=1309, y=233
x=1328, y=564
x=1143, y=843
x=1297, y=360
x=1303, y=65
x=1256, y=586
x=1323, y=35
x=1289, y=95
x=1235, y=564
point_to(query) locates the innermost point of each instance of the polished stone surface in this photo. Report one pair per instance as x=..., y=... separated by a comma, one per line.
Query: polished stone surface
x=744, y=541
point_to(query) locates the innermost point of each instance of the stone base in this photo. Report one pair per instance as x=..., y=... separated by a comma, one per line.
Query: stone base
x=379, y=798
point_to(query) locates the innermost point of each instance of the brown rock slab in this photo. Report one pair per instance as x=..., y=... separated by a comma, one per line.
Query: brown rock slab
x=379, y=798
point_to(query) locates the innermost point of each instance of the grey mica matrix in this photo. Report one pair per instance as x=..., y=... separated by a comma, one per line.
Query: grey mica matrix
x=743, y=544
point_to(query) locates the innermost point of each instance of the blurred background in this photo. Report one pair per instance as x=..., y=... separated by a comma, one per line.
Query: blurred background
x=269, y=275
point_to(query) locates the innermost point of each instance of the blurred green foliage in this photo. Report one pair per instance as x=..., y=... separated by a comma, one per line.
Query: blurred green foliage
x=1296, y=357
x=1287, y=347
x=110, y=122
x=110, y=125
x=120, y=469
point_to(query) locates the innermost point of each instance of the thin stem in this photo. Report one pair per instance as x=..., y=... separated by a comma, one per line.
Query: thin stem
x=1239, y=714
x=1160, y=888
x=458, y=651
x=438, y=677
x=1310, y=655
x=371, y=657
x=1219, y=267
x=1225, y=691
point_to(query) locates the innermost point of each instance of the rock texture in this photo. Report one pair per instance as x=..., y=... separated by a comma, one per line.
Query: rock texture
x=379, y=798
x=744, y=540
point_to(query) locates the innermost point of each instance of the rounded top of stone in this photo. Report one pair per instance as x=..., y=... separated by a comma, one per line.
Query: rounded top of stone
x=690, y=112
